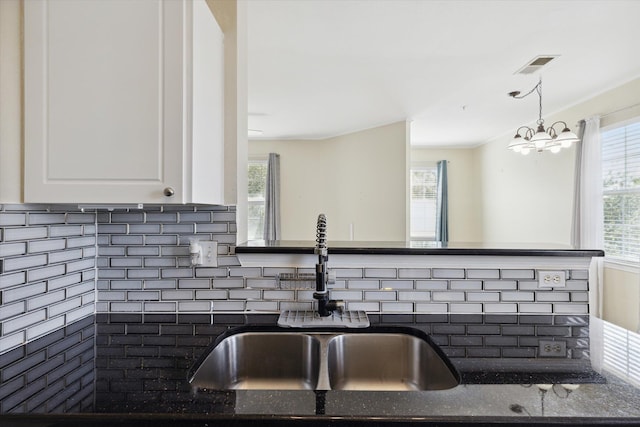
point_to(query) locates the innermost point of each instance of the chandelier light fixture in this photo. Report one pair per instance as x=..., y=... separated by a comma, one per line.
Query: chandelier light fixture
x=527, y=139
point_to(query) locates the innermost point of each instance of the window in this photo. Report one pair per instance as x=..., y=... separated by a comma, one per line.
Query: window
x=257, y=182
x=423, y=202
x=621, y=192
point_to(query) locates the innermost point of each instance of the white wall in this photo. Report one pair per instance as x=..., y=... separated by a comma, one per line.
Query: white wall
x=465, y=217
x=358, y=178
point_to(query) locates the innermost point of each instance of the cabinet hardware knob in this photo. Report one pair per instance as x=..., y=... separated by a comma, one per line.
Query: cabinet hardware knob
x=169, y=191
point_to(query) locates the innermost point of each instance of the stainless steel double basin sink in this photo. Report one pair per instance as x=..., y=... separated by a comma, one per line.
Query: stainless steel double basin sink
x=371, y=359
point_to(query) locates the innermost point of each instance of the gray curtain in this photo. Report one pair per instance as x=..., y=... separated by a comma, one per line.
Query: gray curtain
x=442, y=202
x=272, y=199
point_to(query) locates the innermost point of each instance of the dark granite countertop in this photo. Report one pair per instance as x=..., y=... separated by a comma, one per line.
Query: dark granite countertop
x=141, y=364
x=423, y=247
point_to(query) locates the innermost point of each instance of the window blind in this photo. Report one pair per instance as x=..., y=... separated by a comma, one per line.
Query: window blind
x=621, y=192
x=423, y=202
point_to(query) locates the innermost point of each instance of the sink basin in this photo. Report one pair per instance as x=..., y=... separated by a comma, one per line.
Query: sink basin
x=259, y=361
x=370, y=359
x=386, y=362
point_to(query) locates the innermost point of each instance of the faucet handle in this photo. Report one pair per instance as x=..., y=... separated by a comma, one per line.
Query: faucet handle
x=331, y=277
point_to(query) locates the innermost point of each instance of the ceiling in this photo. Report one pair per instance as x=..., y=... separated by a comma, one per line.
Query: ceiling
x=321, y=68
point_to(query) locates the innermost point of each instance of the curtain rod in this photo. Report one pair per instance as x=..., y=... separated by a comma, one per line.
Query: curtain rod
x=619, y=110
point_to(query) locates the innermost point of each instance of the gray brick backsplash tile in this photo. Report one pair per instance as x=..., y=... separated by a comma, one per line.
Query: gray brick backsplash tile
x=383, y=273
x=194, y=306
x=192, y=283
x=448, y=273
x=248, y=294
x=159, y=262
x=289, y=305
x=552, y=296
x=63, y=256
x=346, y=295
x=224, y=217
x=380, y=296
x=500, y=285
x=414, y=296
x=182, y=251
x=432, y=307
x=517, y=296
x=414, y=273
x=79, y=242
x=127, y=240
x=126, y=284
x=211, y=228
x=161, y=240
x=217, y=294
x=431, y=285
x=113, y=228
x=138, y=273
x=143, y=296
x=167, y=295
x=174, y=273
x=228, y=305
x=500, y=308
x=579, y=297
x=396, y=284
x=465, y=308
x=65, y=230
x=194, y=216
x=262, y=305
x=245, y=272
x=210, y=272
x=535, y=308
x=481, y=273
x=579, y=274
x=8, y=280
x=160, y=306
x=363, y=284
x=348, y=273
x=483, y=296
x=278, y=295
x=447, y=296
x=576, y=285
x=528, y=285
x=10, y=249
x=466, y=285
x=308, y=295
x=128, y=217
x=66, y=280
x=46, y=245
x=239, y=283
x=161, y=217
x=144, y=251
x=8, y=311
x=9, y=219
x=397, y=307
x=117, y=307
x=24, y=233
x=571, y=308
x=517, y=274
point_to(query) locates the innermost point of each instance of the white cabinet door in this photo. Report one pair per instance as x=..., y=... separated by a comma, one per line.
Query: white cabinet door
x=108, y=101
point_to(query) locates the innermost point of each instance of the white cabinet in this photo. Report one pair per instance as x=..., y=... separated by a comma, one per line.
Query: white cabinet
x=123, y=102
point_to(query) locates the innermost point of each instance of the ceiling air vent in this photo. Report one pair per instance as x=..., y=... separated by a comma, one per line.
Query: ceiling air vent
x=536, y=64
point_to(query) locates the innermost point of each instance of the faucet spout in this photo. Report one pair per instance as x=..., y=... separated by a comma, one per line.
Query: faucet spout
x=325, y=305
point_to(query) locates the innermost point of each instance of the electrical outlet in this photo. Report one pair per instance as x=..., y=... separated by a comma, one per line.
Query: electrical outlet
x=209, y=254
x=552, y=279
x=552, y=348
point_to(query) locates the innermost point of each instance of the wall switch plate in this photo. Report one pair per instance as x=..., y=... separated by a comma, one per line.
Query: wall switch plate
x=552, y=279
x=552, y=348
x=209, y=254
